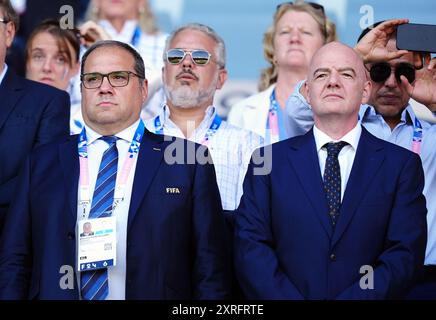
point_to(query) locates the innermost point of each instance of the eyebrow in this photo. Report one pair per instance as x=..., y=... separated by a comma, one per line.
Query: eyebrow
x=339, y=70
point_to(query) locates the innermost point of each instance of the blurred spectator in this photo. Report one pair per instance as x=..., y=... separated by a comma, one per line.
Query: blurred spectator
x=52, y=57
x=31, y=14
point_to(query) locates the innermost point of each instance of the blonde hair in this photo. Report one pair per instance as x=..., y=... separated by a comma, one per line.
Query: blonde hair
x=327, y=28
x=147, y=20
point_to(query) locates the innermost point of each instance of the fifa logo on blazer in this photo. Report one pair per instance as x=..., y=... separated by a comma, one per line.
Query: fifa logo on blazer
x=172, y=190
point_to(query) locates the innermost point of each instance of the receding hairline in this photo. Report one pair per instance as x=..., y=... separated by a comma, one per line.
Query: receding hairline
x=110, y=47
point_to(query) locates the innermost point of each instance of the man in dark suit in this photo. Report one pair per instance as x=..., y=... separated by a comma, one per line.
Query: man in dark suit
x=167, y=214
x=341, y=215
x=31, y=114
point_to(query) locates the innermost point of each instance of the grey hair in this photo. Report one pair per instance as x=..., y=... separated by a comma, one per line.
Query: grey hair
x=139, y=63
x=220, y=49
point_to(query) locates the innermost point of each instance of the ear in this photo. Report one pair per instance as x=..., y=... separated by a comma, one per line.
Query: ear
x=9, y=34
x=306, y=86
x=222, y=77
x=144, y=90
x=367, y=86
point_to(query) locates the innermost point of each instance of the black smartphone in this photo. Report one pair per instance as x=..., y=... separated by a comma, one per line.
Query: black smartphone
x=416, y=37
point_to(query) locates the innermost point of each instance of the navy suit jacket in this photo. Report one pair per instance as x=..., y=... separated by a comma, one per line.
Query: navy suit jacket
x=287, y=248
x=31, y=114
x=174, y=240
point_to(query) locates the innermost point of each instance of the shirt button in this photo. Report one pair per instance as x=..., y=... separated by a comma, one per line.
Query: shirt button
x=333, y=257
x=70, y=235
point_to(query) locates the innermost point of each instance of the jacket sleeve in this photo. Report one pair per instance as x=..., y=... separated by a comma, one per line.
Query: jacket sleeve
x=15, y=244
x=397, y=266
x=212, y=272
x=256, y=264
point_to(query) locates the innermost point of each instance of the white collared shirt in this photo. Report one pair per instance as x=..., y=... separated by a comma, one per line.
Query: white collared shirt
x=346, y=155
x=96, y=148
x=230, y=148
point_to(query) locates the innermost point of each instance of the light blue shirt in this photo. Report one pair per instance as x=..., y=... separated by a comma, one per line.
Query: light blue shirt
x=300, y=116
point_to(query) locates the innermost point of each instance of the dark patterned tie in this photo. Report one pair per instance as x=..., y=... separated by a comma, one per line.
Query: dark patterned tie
x=332, y=179
x=94, y=283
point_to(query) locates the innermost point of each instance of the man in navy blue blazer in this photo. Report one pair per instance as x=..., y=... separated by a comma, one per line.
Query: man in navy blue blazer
x=341, y=215
x=31, y=114
x=169, y=225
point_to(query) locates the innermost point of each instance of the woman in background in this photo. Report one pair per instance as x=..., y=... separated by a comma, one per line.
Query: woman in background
x=52, y=57
x=298, y=31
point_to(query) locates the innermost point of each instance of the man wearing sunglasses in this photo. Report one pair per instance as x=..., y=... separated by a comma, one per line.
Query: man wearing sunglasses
x=396, y=77
x=194, y=68
x=158, y=227
x=389, y=115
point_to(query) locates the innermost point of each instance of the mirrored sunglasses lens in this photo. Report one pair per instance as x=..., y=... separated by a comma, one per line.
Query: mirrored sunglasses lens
x=175, y=56
x=405, y=70
x=200, y=57
x=380, y=72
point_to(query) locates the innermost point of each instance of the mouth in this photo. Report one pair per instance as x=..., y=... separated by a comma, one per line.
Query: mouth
x=105, y=104
x=389, y=98
x=46, y=80
x=333, y=96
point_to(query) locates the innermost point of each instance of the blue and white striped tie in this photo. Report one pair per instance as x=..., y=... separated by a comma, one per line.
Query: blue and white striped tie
x=94, y=283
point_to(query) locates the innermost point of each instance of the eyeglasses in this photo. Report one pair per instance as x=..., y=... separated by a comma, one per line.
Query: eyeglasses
x=5, y=21
x=381, y=71
x=94, y=80
x=314, y=5
x=200, y=57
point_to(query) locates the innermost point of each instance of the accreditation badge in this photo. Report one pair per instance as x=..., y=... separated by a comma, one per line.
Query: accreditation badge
x=96, y=243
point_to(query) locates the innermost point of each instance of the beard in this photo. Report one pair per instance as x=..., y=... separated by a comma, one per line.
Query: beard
x=185, y=97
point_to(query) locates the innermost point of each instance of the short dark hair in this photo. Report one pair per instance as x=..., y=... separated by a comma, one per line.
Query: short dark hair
x=368, y=29
x=62, y=36
x=139, y=63
x=9, y=13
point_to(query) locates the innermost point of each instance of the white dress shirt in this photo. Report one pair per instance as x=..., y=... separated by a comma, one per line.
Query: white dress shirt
x=230, y=148
x=346, y=155
x=96, y=148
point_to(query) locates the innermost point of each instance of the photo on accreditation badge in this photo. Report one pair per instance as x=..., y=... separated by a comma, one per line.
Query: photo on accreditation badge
x=96, y=244
x=87, y=230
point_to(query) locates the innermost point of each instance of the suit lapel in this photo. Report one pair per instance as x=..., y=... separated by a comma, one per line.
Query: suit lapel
x=10, y=92
x=367, y=161
x=304, y=159
x=69, y=159
x=149, y=158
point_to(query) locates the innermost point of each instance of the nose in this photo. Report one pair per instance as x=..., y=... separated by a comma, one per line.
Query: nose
x=187, y=61
x=105, y=85
x=333, y=80
x=47, y=65
x=391, y=81
x=295, y=36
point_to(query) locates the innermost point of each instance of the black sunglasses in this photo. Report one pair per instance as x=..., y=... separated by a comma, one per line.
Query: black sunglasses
x=381, y=71
x=314, y=5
